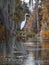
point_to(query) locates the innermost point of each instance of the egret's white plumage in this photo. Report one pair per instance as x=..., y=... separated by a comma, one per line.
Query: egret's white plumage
x=27, y=1
x=23, y=22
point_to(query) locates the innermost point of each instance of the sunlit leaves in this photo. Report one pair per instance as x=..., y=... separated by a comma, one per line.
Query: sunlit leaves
x=45, y=34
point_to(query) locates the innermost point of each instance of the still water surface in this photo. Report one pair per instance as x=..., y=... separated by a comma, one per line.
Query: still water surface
x=29, y=60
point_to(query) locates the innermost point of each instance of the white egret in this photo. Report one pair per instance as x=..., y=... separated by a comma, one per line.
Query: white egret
x=23, y=22
x=27, y=1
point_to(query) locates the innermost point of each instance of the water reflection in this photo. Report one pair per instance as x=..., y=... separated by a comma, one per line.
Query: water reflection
x=28, y=60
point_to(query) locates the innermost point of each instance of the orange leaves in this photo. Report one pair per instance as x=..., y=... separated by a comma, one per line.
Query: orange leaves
x=45, y=34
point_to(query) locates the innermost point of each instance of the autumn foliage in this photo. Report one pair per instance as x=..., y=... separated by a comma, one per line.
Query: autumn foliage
x=45, y=18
